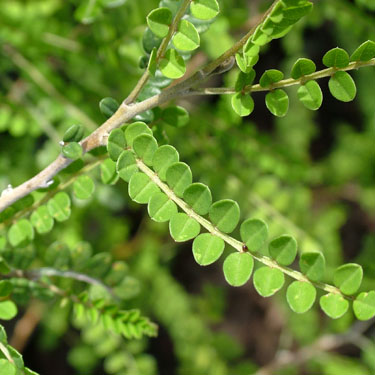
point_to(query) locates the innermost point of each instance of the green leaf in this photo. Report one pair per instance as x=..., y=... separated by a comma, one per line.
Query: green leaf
x=277, y=102
x=164, y=157
x=116, y=143
x=6, y=288
x=198, y=197
x=245, y=63
x=4, y=267
x=254, y=233
x=7, y=368
x=336, y=58
x=334, y=305
x=108, y=172
x=150, y=41
x=183, y=228
x=178, y=177
x=108, y=106
x=310, y=95
x=365, y=52
x=141, y=188
x=237, y=268
x=312, y=264
x=161, y=208
x=348, y=278
x=73, y=134
x=250, y=49
x=42, y=220
x=83, y=187
x=267, y=281
x=342, y=86
x=175, y=116
x=302, y=67
x=270, y=76
x=21, y=233
x=159, y=20
x=207, y=249
x=300, y=296
x=259, y=37
x=244, y=79
x=8, y=310
x=59, y=206
x=126, y=165
x=225, y=215
x=144, y=146
x=296, y=9
x=58, y=256
x=283, y=249
x=364, y=305
x=187, y=37
x=152, y=63
x=172, y=65
x=243, y=104
x=204, y=9
x=135, y=129
x=72, y=150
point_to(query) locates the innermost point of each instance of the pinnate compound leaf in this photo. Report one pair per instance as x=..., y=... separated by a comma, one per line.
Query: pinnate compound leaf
x=277, y=102
x=283, y=249
x=342, y=86
x=8, y=310
x=144, y=146
x=72, y=150
x=336, y=58
x=243, y=104
x=365, y=52
x=73, y=134
x=198, y=197
x=179, y=177
x=225, y=215
x=204, y=9
x=310, y=95
x=267, y=281
x=20, y=233
x=135, y=129
x=300, y=296
x=161, y=208
x=187, y=37
x=126, y=165
x=159, y=20
x=270, y=76
x=141, y=188
x=164, y=157
x=302, y=67
x=108, y=106
x=207, y=249
x=116, y=144
x=237, y=268
x=175, y=116
x=312, y=264
x=83, y=187
x=254, y=233
x=183, y=228
x=334, y=305
x=172, y=65
x=59, y=206
x=364, y=305
x=348, y=278
x=42, y=220
x=108, y=172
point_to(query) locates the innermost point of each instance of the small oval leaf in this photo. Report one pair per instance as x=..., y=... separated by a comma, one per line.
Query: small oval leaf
x=283, y=249
x=59, y=206
x=225, y=215
x=183, y=228
x=237, y=268
x=312, y=264
x=83, y=187
x=254, y=233
x=187, y=37
x=159, y=20
x=135, y=129
x=364, y=305
x=144, y=146
x=334, y=305
x=365, y=52
x=116, y=143
x=204, y=9
x=336, y=58
x=198, y=197
x=172, y=65
x=342, y=86
x=267, y=281
x=126, y=165
x=42, y=220
x=300, y=296
x=243, y=104
x=179, y=177
x=207, y=249
x=164, y=157
x=161, y=208
x=348, y=278
x=277, y=102
x=141, y=188
x=310, y=95
x=302, y=67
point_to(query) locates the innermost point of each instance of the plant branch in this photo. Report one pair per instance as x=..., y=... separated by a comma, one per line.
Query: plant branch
x=285, y=82
x=238, y=245
x=160, y=54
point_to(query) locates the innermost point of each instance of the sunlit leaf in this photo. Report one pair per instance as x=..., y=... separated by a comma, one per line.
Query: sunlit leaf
x=225, y=215
x=83, y=187
x=204, y=9
x=310, y=95
x=183, y=228
x=348, y=277
x=334, y=305
x=42, y=220
x=300, y=296
x=159, y=20
x=277, y=101
x=161, y=208
x=364, y=305
x=207, y=249
x=172, y=65
x=336, y=58
x=178, y=177
x=141, y=188
x=267, y=281
x=198, y=197
x=164, y=157
x=254, y=233
x=187, y=37
x=237, y=268
x=342, y=86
